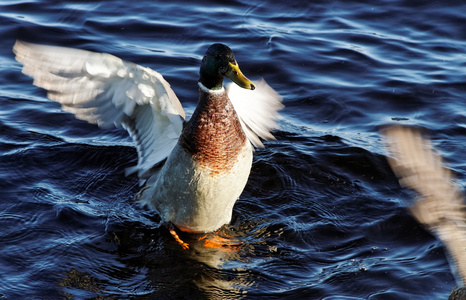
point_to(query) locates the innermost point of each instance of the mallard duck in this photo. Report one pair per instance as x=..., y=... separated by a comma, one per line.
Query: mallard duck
x=193, y=171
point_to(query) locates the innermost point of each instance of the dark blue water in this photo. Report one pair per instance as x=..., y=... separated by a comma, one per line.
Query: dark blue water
x=322, y=215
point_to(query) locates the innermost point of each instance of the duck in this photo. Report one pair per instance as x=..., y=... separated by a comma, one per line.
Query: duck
x=193, y=171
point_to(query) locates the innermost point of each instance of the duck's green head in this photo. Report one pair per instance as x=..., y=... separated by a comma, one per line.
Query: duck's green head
x=218, y=62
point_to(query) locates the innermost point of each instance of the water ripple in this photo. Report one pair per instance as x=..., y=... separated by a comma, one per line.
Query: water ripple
x=322, y=216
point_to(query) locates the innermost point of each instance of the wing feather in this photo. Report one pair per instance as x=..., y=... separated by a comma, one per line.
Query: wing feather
x=102, y=89
x=257, y=110
x=441, y=205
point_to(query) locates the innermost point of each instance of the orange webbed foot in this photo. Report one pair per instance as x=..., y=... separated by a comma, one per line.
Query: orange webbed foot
x=177, y=238
x=217, y=241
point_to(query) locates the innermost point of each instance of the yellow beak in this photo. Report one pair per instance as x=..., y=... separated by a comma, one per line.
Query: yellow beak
x=237, y=77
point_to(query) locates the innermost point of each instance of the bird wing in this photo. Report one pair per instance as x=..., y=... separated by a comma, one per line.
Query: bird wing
x=257, y=110
x=441, y=205
x=105, y=90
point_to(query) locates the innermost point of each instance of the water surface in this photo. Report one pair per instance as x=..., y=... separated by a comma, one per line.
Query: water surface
x=322, y=216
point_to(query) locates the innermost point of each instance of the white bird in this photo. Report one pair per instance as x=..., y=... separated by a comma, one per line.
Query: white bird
x=194, y=171
x=441, y=206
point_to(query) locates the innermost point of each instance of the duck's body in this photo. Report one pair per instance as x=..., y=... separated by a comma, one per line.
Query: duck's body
x=193, y=171
x=207, y=170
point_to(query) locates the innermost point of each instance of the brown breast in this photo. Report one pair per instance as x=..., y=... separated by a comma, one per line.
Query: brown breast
x=213, y=135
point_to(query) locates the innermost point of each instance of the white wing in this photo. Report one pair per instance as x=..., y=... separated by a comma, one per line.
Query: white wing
x=105, y=90
x=257, y=110
x=441, y=205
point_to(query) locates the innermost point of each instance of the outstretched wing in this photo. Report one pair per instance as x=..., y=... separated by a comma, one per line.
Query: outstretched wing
x=257, y=110
x=441, y=205
x=105, y=90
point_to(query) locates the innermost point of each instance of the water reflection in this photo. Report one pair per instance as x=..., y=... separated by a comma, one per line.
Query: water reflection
x=153, y=263
x=225, y=255
x=75, y=279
